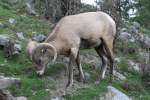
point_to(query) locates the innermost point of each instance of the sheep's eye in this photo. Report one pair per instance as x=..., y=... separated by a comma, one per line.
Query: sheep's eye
x=43, y=51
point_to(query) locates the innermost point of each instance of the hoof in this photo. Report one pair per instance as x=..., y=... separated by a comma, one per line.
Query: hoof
x=69, y=85
x=81, y=79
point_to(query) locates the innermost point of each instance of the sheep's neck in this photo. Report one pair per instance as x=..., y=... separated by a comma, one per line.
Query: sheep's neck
x=56, y=45
x=61, y=50
x=51, y=37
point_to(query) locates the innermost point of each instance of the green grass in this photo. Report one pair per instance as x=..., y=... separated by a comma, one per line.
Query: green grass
x=89, y=93
x=20, y=66
x=27, y=24
x=145, y=31
x=133, y=87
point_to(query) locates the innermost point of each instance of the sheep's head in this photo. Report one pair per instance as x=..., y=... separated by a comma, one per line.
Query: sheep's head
x=41, y=56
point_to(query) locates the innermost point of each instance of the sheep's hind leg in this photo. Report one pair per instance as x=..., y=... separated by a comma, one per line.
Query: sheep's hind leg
x=101, y=53
x=109, y=53
x=73, y=56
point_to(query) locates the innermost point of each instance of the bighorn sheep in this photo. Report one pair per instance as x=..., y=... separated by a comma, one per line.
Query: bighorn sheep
x=86, y=30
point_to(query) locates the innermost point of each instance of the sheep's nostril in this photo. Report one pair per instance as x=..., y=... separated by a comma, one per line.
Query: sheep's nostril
x=39, y=61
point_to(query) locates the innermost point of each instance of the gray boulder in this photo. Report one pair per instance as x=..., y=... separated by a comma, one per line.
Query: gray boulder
x=87, y=77
x=125, y=36
x=134, y=66
x=119, y=76
x=57, y=98
x=8, y=44
x=145, y=69
x=132, y=39
x=114, y=94
x=146, y=41
x=20, y=35
x=6, y=95
x=13, y=1
x=135, y=28
x=12, y=21
x=136, y=25
x=123, y=30
x=11, y=47
x=117, y=59
x=6, y=82
x=30, y=7
x=21, y=98
x=18, y=49
x=1, y=25
x=4, y=40
x=39, y=38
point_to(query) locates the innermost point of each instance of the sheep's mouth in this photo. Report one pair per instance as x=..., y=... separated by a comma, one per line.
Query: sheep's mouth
x=40, y=72
x=41, y=69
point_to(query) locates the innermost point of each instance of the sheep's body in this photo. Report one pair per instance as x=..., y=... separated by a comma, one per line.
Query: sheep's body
x=87, y=30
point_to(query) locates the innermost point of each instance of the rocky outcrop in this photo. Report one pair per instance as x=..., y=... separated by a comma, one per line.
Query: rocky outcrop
x=114, y=94
x=30, y=7
x=39, y=38
x=20, y=35
x=146, y=41
x=10, y=46
x=125, y=36
x=12, y=21
x=119, y=76
x=6, y=82
x=146, y=74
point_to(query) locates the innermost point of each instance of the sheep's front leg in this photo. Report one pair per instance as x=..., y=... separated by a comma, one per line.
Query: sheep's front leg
x=70, y=73
x=81, y=74
x=104, y=67
x=73, y=56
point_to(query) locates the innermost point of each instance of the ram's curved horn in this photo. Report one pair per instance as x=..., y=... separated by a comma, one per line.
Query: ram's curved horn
x=30, y=47
x=45, y=45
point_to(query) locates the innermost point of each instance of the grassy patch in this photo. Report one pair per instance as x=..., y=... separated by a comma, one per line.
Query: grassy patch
x=89, y=93
x=133, y=86
x=145, y=31
x=20, y=67
x=87, y=51
x=24, y=23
